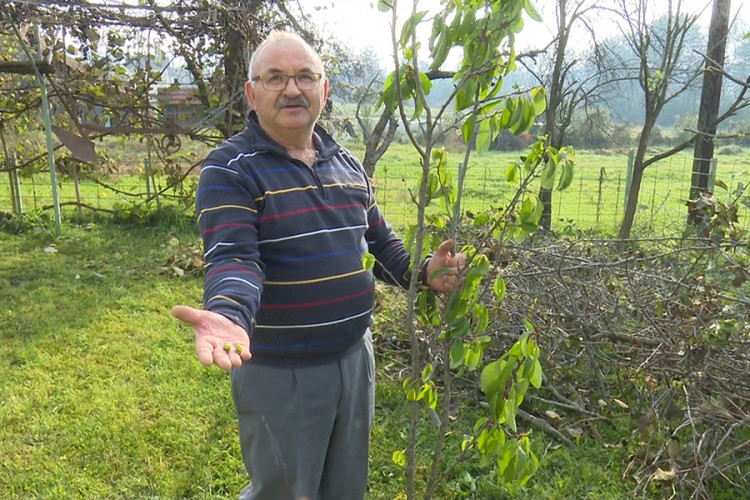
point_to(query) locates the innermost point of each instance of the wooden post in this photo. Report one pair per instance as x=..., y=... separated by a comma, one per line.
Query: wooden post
x=16, y=186
x=628, y=178
x=147, y=175
x=709, y=105
x=602, y=176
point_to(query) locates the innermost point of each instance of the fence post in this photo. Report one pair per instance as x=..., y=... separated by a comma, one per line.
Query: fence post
x=8, y=163
x=15, y=186
x=602, y=175
x=147, y=175
x=712, y=167
x=17, y=182
x=628, y=178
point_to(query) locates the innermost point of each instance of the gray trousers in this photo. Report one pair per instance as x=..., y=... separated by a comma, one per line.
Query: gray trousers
x=305, y=432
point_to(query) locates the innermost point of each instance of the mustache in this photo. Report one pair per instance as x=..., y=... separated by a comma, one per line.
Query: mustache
x=299, y=100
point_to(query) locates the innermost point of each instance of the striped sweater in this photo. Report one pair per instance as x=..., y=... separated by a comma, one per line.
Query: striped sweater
x=284, y=246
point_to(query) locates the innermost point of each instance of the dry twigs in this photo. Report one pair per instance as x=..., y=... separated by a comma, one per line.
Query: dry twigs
x=660, y=328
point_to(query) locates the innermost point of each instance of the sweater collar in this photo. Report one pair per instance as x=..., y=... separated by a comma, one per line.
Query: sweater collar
x=325, y=144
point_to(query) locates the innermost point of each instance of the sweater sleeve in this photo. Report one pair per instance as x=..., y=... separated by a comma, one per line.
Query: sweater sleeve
x=228, y=221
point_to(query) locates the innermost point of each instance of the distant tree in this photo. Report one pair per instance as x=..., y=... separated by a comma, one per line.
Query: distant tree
x=356, y=78
x=555, y=69
x=663, y=72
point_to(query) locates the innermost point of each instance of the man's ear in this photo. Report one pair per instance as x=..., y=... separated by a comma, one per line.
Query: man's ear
x=250, y=92
x=325, y=91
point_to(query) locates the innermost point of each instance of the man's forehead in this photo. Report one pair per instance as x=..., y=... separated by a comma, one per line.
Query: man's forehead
x=279, y=55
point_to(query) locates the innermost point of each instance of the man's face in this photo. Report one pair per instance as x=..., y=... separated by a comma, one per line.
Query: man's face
x=289, y=112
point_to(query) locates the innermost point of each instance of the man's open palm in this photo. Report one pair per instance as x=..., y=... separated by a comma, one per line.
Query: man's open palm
x=213, y=333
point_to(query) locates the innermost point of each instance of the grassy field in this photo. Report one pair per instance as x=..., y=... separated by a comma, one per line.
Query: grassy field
x=595, y=200
x=103, y=397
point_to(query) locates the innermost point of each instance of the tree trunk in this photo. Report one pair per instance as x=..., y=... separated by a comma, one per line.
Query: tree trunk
x=378, y=140
x=709, y=105
x=635, y=183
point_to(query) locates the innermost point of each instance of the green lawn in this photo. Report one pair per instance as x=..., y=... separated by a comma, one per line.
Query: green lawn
x=103, y=397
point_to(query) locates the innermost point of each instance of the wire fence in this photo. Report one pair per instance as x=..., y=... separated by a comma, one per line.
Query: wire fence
x=595, y=200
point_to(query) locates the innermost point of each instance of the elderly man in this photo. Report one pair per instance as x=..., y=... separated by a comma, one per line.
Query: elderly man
x=286, y=216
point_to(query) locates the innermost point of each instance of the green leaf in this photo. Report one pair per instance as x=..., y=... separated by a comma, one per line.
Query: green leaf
x=458, y=352
x=521, y=461
x=548, y=176
x=474, y=359
x=499, y=288
x=516, y=105
x=458, y=309
x=489, y=380
x=443, y=47
x=410, y=26
x=426, y=82
x=479, y=423
x=536, y=375
x=566, y=177
x=466, y=95
x=427, y=372
x=482, y=318
x=467, y=129
x=531, y=11
x=523, y=118
x=484, y=137
x=481, y=219
x=539, y=100
x=388, y=97
x=399, y=458
x=505, y=117
x=510, y=411
x=512, y=174
x=530, y=215
x=368, y=261
x=410, y=388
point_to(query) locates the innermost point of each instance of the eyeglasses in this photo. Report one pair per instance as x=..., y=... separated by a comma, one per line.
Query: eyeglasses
x=278, y=81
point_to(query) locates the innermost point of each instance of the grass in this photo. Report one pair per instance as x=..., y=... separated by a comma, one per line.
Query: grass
x=103, y=397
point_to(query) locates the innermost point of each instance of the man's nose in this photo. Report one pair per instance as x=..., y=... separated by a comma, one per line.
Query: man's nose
x=291, y=86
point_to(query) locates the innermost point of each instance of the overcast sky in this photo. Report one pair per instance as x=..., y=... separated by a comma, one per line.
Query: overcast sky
x=360, y=24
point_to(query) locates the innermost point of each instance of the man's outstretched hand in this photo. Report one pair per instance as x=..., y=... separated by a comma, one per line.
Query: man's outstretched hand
x=450, y=265
x=213, y=334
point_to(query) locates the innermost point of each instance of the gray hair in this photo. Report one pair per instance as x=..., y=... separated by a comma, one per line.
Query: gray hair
x=278, y=36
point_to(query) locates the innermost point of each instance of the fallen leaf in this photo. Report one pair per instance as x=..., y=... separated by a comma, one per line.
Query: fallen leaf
x=553, y=416
x=602, y=403
x=575, y=432
x=663, y=475
x=620, y=404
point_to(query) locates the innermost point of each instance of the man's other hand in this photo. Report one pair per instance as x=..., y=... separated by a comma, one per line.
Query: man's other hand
x=449, y=266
